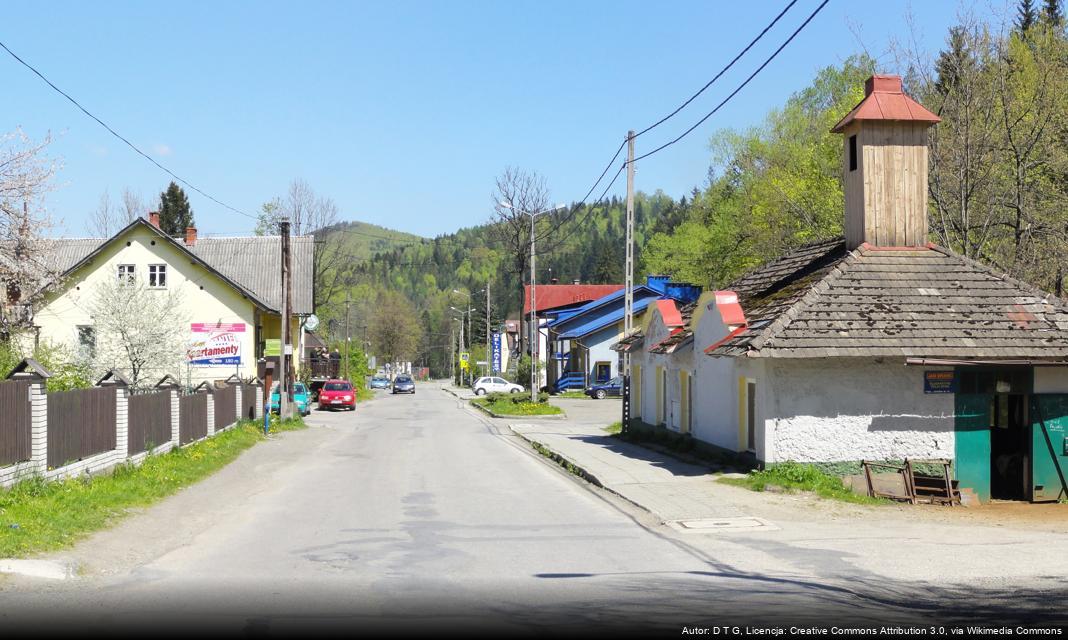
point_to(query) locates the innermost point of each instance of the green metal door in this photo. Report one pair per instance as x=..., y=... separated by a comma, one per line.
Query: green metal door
x=972, y=427
x=1049, y=452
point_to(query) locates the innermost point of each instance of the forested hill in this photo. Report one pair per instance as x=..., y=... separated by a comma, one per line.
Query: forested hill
x=363, y=240
x=578, y=243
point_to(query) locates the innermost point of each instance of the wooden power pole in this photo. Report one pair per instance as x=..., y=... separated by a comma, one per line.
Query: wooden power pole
x=285, y=374
x=628, y=298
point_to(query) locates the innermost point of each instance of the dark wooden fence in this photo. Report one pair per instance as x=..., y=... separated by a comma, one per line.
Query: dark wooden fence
x=225, y=406
x=149, y=420
x=192, y=417
x=81, y=423
x=248, y=401
x=14, y=422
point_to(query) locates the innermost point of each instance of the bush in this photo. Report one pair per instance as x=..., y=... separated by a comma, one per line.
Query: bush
x=518, y=397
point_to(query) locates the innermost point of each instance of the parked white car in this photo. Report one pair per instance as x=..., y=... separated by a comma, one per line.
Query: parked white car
x=490, y=384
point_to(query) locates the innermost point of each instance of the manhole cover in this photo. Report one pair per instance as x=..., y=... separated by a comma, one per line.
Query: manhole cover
x=720, y=524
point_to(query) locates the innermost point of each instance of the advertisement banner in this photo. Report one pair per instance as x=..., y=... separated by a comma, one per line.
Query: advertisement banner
x=215, y=344
x=496, y=358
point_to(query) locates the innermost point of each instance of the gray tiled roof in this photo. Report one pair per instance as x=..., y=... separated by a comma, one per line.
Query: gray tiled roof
x=252, y=263
x=822, y=301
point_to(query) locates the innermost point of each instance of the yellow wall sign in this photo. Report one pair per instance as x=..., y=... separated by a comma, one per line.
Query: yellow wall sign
x=272, y=347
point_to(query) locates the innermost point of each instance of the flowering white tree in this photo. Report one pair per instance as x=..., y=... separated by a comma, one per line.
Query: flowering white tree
x=139, y=330
x=26, y=260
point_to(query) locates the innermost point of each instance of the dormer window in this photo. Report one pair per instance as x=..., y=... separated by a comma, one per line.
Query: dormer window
x=157, y=276
x=127, y=275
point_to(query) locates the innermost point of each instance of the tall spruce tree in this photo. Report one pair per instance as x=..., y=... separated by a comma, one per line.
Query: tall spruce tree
x=1052, y=13
x=1025, y=16
x=174, y=211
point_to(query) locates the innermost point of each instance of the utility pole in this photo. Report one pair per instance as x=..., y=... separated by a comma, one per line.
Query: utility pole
x=534, y=337
x=462, y=350
x=283, y=376
x=628, y=298
x=348, y=338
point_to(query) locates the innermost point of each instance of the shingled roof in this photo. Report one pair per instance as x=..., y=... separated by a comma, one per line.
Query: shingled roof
x=925, y=302
x=249, y=263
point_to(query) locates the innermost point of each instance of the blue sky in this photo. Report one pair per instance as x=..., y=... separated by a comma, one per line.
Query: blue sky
x=403, y=112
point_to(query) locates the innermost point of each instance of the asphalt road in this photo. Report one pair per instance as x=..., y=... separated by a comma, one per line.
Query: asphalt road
x=416, y=514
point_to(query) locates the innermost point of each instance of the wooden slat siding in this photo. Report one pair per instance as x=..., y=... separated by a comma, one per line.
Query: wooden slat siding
x=81, y=423
x=192, y=417
x=14, y=422
x=225, y=407
x=248, y=401
x=149, y=420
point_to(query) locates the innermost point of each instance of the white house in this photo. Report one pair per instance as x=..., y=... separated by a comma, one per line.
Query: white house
x=230, y=293
x=881, y=345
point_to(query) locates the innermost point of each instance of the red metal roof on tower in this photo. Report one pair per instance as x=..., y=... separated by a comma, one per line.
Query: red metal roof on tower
x=884, y=99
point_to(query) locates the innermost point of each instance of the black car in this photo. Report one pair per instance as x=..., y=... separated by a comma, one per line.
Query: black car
x=403, y=384
x=601, y=390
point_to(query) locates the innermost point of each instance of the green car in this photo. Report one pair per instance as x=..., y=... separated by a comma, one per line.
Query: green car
x=300, y=397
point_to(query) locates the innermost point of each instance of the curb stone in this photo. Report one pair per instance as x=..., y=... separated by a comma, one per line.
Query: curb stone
x=582, y=472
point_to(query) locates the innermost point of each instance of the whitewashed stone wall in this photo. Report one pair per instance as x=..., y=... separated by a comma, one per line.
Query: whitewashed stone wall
x=833, y=410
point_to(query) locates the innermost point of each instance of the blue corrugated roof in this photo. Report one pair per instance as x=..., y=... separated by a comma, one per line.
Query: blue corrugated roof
x=603, y=321
x=618, y=295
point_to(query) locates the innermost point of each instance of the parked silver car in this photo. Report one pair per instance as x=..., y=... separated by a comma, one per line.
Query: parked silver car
x=403, y=384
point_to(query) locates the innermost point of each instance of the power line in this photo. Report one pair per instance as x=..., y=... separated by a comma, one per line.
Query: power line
x=682, y=106
x=716, y=77
x=120, y=137
x=740, y=87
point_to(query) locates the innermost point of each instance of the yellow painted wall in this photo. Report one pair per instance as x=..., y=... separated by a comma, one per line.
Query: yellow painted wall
x=684, y=401
x=205, y=297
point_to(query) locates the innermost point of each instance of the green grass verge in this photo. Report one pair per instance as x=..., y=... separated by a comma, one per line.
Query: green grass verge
x=794, y=476
x=38, y=515
x=614, y=429
x=573, y=394
x=509, y=406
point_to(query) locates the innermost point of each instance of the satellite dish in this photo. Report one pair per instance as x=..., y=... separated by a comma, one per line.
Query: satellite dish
x=312, y=323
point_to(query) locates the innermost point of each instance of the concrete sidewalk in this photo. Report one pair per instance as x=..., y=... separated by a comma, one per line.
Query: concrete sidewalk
x=666, y=487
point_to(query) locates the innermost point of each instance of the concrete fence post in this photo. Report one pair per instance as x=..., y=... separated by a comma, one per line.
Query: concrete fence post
x=39, y=426
x=259, y=401
x=116, y=380
x=211, y=412
x=169, y=384
x=237, y=403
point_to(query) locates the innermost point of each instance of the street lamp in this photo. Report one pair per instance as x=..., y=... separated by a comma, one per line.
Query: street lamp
x=462, y=314
x=471, y=335
x=535, y=331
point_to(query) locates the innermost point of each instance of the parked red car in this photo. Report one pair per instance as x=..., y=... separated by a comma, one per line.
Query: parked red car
x=337, y=394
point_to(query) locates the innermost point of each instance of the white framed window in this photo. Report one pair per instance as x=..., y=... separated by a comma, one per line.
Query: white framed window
x=127, y=274
x=157, y=276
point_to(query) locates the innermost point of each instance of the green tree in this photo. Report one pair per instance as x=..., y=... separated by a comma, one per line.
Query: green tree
x=175, y=213
x=1025, y=16
x=1052, y=14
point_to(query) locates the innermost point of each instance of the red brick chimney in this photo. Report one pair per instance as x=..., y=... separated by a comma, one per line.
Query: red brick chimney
x=153, y=218
x=190, y=236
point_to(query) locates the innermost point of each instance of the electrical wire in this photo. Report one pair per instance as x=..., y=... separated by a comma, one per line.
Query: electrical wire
x=721, y=72
x=740, y=87
x=120, y=137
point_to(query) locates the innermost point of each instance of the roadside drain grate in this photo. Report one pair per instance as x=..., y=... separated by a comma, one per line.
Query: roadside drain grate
x=722, y=524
